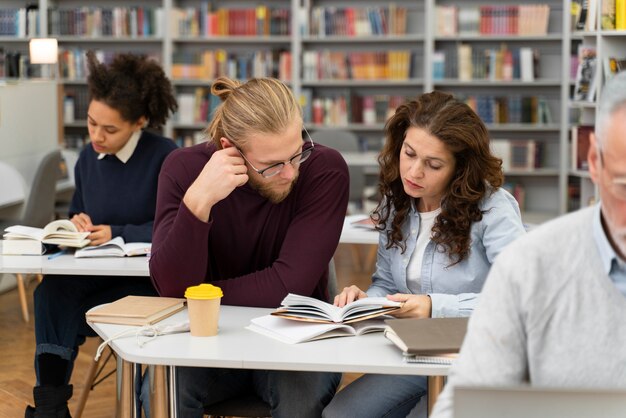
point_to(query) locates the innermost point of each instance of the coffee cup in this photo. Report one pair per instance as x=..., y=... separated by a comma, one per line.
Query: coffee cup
x=203, y=304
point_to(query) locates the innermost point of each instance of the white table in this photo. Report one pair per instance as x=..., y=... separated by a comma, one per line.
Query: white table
x=351, y=234
x=237, y=347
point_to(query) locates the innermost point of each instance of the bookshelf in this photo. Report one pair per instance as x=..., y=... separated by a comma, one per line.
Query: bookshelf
x=606, y=39
x=348, y=62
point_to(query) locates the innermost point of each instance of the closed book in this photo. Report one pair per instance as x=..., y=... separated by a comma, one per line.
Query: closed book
x=22, y=247
x=427, y=336
x=136, y=310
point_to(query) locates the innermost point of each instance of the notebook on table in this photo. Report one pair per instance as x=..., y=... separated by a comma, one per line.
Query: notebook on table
x=535, y=402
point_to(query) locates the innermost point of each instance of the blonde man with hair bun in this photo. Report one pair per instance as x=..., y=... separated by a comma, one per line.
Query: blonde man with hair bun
x=257, y=211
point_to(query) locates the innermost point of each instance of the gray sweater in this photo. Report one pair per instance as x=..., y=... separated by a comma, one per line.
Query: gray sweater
x=548, y=315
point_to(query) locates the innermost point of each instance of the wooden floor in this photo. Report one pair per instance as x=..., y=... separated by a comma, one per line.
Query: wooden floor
x=17, y=346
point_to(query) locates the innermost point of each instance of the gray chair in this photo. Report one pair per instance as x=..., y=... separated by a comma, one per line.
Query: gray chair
x=345, y=141
x=250, y=404
x=38, y=208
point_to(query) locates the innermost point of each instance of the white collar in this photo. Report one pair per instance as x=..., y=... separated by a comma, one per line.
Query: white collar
x=127, y=150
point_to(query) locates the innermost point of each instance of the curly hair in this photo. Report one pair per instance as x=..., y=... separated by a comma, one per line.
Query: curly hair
x=259, y=105
x=477, y=171
x=133, y=85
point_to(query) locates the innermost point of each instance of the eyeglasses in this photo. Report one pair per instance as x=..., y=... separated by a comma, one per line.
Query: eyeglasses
x=295, y=161
x=616, y=184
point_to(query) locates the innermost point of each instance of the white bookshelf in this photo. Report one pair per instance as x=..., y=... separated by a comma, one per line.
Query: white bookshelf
x=546, y=187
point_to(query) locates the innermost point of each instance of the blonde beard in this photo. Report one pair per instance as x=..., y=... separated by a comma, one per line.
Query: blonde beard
x=269, y=192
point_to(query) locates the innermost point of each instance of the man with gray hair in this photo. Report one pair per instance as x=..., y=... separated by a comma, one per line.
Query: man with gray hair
x=552, y=310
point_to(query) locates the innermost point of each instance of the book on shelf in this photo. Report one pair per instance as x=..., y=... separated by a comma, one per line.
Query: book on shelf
x=115, y=248
x=304, y=308
x=59, y=232
x=436, y=339
x=294, y=332
x=519, y=154
x=581, y=141
x=585, y=84
x=607, y=15
x=136, y=310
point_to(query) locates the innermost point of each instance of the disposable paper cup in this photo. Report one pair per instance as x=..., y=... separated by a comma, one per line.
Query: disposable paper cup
x=203, y=303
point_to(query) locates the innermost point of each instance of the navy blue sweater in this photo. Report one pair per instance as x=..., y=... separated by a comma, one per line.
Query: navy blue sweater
x=121, y=195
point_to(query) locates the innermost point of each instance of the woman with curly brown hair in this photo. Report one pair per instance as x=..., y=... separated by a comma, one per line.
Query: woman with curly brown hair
x=116, y=185
x=443, y=218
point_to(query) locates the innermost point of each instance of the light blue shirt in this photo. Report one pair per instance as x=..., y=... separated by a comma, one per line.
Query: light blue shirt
x=453, y=290
x=614, y=266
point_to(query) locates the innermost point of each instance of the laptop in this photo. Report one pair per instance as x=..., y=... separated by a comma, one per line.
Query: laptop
x=534, y=402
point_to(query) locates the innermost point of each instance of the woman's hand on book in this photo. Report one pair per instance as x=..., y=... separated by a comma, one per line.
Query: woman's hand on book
x=349, y=294
x=413, y=306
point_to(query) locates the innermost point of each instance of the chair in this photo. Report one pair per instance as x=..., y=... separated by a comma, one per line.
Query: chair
x=250, y=404
x=38, y=209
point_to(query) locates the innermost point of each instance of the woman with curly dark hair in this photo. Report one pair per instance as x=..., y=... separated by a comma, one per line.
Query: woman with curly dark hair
x=443, y=218
x=116, y=185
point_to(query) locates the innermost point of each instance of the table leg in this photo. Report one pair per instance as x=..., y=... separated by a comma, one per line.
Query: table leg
x=159, y=394
x=435, y=386
x=127, y=402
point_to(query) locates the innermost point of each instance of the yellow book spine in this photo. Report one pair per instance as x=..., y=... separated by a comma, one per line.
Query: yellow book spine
x=620, y=14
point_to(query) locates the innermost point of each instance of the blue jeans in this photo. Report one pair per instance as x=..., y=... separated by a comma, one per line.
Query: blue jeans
x=289, y=394
x=378, y=395
x=60, y=306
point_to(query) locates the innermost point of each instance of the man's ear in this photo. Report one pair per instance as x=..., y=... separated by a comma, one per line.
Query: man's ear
x=225, y=143
x=593, y=157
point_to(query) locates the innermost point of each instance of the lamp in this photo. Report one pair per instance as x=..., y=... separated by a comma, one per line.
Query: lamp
x=43, y=51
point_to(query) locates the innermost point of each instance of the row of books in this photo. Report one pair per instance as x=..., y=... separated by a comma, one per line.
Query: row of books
x=518, y=154
x=209, y=64
x=467, y=63
x=523, y=19
x=355, y=21
x=72, y=62
x=346, y=109
x=14, y=64
x=510, y=109
x=258, y=21
x=21, y=22
x=584, y=14
x=75, y=103
x=197, y=106
x=101, y=21
x=363, y=65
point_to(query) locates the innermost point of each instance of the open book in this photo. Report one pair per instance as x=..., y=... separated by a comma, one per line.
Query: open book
x=303, y=308
x=293, y=332
x=115, y=248
x=365, y=223
x=136, y=310
x=59, y=232
x=427, y=340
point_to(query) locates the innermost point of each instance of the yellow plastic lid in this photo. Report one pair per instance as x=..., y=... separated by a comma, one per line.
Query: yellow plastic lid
x=203, y=291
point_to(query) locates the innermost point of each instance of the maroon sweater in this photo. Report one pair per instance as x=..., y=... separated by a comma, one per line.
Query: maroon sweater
x=256, y=251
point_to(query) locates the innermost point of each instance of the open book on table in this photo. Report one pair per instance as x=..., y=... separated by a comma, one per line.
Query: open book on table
x=136, y=310
x=303, y=308
x=115, y=248
x=427, y=340
x=59, y=232
x=365, y=223
x=294, y=332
